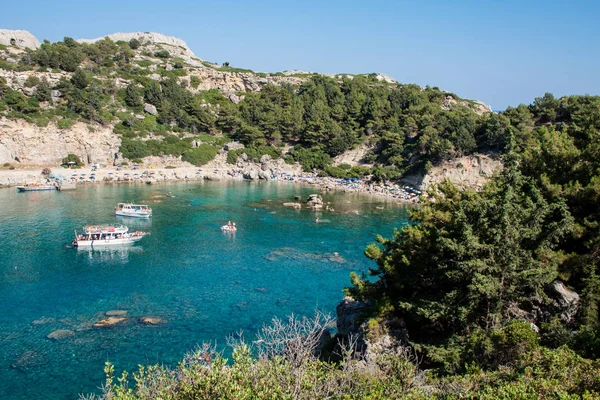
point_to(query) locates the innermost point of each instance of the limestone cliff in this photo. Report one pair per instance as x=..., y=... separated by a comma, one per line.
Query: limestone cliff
x=465, y=172
x=32, y=145
x=22, y=39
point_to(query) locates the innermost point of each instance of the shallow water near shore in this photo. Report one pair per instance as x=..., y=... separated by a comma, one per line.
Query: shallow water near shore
x=205, y=284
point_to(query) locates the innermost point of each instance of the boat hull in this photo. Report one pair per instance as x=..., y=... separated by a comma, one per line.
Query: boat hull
x=122, y=213
x=107, y=242
x=35, y=188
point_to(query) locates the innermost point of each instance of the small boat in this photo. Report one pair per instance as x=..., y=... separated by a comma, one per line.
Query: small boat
x=228, y=228
x=34, y=187
x=133, y=210
x=104, y=235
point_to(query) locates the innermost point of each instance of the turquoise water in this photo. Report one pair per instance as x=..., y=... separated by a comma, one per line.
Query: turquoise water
x=205, y=283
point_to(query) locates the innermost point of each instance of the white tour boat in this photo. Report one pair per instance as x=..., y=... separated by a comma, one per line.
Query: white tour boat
x=34, y=187
x=133, y=210
x=103, y=235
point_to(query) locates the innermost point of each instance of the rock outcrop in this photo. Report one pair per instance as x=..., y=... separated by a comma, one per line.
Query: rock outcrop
x=60, y=334
x=29, y=144
x=565, y=302
x=145, y=37
x=465, y=172
x=314, y=201
x=152, y=320
x=348, y=311
x=478, y=107
x=110, y=321
x=19, y=38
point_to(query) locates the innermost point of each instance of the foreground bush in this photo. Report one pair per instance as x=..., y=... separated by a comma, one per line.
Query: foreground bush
x=282, y=364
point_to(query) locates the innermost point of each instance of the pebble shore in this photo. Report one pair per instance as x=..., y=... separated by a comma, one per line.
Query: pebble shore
x=151, y=175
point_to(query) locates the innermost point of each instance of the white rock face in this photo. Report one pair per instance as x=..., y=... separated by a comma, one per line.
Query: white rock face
x=466, y=172
x=32, y=145
x=22, y=39
x=144, y=37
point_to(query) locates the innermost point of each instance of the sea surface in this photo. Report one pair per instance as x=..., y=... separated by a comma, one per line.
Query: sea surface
x=204, y=283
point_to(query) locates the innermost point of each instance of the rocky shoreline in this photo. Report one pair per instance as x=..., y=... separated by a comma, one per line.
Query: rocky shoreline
x=144, y=174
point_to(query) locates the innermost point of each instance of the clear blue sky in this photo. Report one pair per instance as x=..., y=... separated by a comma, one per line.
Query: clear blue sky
x=502, y=52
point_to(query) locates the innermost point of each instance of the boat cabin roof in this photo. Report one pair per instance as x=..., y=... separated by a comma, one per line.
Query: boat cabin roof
x=96, y=229
x=132, y=205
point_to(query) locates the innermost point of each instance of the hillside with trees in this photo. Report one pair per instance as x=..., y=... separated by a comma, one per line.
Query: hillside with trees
x=487, y=294
x=153, y=102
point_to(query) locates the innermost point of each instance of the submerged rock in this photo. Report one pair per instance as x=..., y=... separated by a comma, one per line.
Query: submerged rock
x=110, y=321
x=29, y=360
x=152, y=320
x=60, y=334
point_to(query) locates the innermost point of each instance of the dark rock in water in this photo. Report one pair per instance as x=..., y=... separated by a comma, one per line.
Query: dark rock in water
x=299, y=198
x=116, y=313
x=152, y=320
x=43, y=321
x=60, y=334
x=110, y=321
x=29, y=360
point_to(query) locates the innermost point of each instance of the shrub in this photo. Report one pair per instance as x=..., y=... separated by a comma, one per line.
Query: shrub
x=254, y=153
x=195, y=82
x=162, y=54
x=502, y=346
x=31, y=81
x=200, y=155
x=134, y=43
x=65, y=123
x=72, y=158
x=144, y=63
x=311, y=158
x=134, y=149
x=46, y=171
x=336, y=172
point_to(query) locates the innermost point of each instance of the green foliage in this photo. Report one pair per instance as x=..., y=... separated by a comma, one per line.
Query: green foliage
x=31, y=81
x=43, y=91
x=162, y=54
x=134, y=44
x=133, y=95
x=200, y=155
x=64, y=123
x=195, y=82
x=469, y=257
x=310, y=158
x=72, y=158
x=80, y=79
x=254, y=153
x=535, y=373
